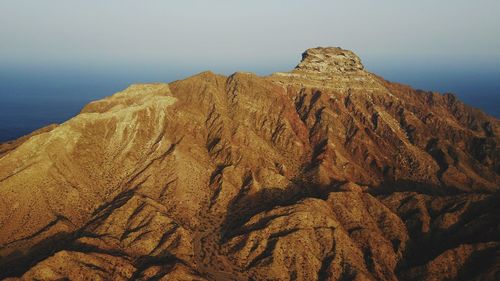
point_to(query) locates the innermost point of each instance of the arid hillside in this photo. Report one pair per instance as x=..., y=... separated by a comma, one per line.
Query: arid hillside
x=326, y=172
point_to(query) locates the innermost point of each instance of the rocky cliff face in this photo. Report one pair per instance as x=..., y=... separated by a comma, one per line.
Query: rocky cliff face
x=327, y=172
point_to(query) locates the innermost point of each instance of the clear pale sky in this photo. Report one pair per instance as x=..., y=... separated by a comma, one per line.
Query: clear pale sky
x=258, y=34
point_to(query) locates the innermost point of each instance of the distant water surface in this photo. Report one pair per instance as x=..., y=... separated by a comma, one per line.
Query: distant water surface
x=31, y=98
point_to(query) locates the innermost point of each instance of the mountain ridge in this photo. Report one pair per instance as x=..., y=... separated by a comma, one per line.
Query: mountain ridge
x=324, y=172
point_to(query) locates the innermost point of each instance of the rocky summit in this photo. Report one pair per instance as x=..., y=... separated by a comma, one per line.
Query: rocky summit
x=325, y=172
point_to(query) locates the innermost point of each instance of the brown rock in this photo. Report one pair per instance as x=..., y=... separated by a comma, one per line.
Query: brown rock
x=326, y=172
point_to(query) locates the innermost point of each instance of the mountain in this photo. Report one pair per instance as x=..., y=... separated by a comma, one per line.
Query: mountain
x=326, y=172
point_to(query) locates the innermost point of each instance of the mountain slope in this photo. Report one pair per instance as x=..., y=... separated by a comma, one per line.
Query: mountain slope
x=325, y=172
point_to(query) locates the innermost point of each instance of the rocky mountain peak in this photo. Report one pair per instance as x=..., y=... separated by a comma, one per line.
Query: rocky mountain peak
x=327, y=172
x=329, y=60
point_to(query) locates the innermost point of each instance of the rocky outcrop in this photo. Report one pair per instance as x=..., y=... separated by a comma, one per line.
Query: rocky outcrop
x=329, y=60
x=326, y=172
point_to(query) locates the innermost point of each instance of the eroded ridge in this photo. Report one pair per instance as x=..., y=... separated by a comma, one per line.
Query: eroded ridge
x=325, y=172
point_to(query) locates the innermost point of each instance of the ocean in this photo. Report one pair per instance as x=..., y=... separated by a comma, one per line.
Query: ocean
x=34, y=97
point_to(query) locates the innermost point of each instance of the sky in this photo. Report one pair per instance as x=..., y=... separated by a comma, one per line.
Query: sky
x=229, y=34
x=84, y=50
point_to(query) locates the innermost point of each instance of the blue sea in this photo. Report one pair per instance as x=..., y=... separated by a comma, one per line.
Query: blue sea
x=33, y=97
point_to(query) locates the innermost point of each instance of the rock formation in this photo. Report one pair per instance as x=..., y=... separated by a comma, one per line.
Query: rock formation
x=326, y=172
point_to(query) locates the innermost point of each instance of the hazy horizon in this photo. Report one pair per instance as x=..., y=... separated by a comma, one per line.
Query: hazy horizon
x=55, y=56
